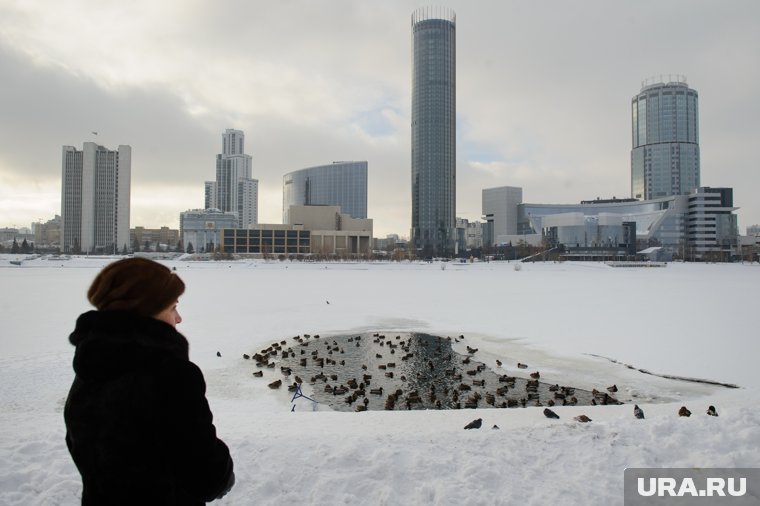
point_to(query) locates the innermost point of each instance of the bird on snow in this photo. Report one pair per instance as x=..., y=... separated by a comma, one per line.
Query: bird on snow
x=327, y=301
x=582, y=418
x=495, y=427
x=684, y=412
x=218, y=354
x=711, y=411
x=522, y=366
x=535, y=375
x=475, y=424
x=548, y=413
x=637, y=412
x=613, y=388
x=498, y=362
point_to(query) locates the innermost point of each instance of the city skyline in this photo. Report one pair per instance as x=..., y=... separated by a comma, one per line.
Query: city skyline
x=543, y=97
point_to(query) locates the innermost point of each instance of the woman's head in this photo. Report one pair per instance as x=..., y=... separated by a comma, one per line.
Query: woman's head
x=137, y=285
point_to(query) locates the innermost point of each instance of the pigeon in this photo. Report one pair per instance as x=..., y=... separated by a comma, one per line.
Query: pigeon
x=582, y=418
x=218, y=354
x=637, y=412
x=684, y=412
x=711, y=411
x=475, y=424
x=548, y=413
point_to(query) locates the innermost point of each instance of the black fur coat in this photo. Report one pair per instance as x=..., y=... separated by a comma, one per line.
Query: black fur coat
x=138, y=425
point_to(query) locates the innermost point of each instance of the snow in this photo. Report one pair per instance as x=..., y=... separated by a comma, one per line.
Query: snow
x=690, y=320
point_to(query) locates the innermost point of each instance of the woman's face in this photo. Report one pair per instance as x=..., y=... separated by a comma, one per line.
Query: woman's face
x=170, y=315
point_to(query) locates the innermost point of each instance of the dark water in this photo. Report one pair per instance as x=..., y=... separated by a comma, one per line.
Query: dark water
x=414, y=371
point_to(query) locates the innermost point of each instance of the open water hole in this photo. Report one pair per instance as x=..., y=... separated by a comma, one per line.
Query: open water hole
x=407, y=370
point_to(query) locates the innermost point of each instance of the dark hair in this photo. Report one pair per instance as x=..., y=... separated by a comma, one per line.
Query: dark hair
x=136, y=285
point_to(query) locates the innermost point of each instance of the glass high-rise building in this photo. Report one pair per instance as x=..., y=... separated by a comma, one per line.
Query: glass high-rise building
x=341, y=184
x=665, y=131
x=434, y=131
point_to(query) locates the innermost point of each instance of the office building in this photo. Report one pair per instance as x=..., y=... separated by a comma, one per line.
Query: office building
x=698, y=226
x=665, y=133
x=236, y=191
x=342, y=184
x=95, y=199
x=433, y=229
x=712, y=225
x=202, y=228
x=311, y=230
x=500, y=209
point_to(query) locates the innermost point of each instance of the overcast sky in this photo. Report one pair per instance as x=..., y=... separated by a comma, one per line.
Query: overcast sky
x=543, y=96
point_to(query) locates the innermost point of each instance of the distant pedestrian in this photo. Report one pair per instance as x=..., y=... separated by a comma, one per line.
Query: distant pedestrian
x=138, y=425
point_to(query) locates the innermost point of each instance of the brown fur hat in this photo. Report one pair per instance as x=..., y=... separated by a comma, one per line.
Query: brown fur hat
x=136, y=285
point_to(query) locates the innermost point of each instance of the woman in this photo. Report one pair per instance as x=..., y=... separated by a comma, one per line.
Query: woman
x=138, y=424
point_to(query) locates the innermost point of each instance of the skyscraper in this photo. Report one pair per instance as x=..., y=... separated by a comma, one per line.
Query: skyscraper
x=235, y=190
x=95, y=194
x=341, y=184
x=434, y=131
x=665, y=131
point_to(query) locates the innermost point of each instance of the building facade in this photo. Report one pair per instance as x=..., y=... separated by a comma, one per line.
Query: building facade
x=500, y=209
x=433, y=229
x=209, y=196
x=202, y=228
x=341, y=184
x=236, y=191
x=665, y=133
x=312, y=230
x=95, y=198
x=712, y=225
x=696, y=226
x=265, y=240
x=48, y=233
x=154, y=239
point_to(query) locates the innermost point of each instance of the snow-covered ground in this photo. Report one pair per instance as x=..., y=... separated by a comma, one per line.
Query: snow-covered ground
x=695, y=321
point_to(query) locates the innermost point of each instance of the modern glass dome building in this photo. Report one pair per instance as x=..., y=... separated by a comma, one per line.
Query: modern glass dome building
x=665, y=132
x=434, y=131
x=341, y=184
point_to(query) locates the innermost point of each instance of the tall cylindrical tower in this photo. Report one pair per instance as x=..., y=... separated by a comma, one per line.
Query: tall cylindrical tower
x=434, y=131
x=665, y=132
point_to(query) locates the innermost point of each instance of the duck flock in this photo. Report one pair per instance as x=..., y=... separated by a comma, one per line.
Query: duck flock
x=405, y=371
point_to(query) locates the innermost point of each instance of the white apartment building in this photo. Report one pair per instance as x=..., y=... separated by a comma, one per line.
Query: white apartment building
x=95, y=198
x=236, y=191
